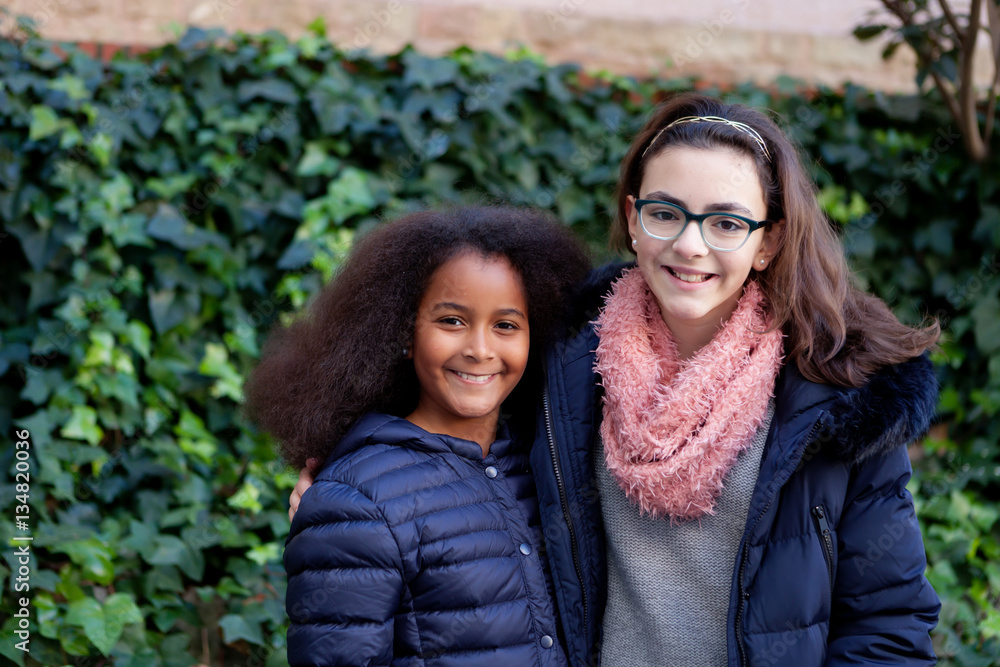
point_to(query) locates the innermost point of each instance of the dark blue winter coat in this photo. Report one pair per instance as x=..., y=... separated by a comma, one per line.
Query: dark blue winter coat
x=412, y=549
x=830, y=567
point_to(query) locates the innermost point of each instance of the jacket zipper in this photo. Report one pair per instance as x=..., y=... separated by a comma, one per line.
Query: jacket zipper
x=563, y=500
x=826, y=536
x=743, y=560
x=742, y=592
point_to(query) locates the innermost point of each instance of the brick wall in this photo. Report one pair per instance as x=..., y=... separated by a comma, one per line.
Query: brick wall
x=720, y=40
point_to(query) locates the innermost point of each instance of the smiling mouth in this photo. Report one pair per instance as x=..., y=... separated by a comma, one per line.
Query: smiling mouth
x=478, y=379
x=690, y=277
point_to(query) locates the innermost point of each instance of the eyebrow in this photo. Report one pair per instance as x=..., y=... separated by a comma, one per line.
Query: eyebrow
x=449, y=305
x=719, y=206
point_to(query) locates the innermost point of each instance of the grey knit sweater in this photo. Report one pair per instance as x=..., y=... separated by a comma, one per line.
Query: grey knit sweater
x=669, y=586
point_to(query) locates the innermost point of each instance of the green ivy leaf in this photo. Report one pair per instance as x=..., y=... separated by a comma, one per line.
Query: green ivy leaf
x=317, y=161
x=172, y=185
x=171, y=550
x=265, y=553
x=246, y=498
x=349, y=195
x=215, y=363
x=986, y=316
x=8, y=649
x=105, y=624
x=235, y=628
x=141, y=539
x=45, y=123
x=138, y=336
x=73, y=86
x=82, y=425
x=867, y=32
x=167, y=224
x=427, y=72
x=168, y=309
x=275, y=90
x=40, y=385
x=96, y=558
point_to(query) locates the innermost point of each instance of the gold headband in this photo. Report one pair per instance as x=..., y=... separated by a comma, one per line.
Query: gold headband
x=742, y=127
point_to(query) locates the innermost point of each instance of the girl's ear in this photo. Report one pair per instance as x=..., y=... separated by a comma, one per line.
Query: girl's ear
x=769, y=247
x=633, y=218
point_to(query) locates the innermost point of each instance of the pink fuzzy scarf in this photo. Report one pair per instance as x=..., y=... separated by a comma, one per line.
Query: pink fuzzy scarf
x=672, y=429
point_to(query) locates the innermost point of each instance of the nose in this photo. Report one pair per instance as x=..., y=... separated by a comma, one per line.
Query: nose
x=479, y=344
x=690, y=243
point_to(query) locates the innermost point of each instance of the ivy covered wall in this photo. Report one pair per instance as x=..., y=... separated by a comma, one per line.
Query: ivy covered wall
x=158, y=213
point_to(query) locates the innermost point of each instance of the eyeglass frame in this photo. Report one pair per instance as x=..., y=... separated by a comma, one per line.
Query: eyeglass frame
x=699, y=218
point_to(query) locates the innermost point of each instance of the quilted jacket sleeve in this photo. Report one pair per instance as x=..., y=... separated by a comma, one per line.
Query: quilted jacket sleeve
x=883, y=607
x=344, y=580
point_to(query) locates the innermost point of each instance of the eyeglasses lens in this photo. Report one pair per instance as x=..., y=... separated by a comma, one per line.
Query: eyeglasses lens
x=719, y=231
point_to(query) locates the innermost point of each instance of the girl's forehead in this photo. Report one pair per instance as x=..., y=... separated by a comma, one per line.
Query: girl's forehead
x=474, y=276
x=473, y=260
x=703, y=175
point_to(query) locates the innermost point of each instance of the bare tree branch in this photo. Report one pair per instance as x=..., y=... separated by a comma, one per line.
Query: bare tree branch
x=993, y=21
x=948, y=94
x=953, y=22
x=937, y=38
x=967, y=86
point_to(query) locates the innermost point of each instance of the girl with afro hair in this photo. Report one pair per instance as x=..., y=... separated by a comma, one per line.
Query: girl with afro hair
x=419, y=541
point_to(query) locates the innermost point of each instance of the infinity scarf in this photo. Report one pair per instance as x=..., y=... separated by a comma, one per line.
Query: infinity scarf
x=672, y=429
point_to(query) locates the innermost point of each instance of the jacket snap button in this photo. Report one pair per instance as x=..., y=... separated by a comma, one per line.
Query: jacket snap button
x=491, y=472
x=525, y=549
x=547, y=642
x=746, y=595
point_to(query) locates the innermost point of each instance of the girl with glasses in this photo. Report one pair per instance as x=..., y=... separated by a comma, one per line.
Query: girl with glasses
x=721, y=450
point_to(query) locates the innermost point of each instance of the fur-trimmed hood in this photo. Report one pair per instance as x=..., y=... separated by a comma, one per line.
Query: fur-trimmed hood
x=895, y=407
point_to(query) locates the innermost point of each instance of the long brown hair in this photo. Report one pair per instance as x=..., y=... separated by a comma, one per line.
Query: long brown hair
x=835, y=333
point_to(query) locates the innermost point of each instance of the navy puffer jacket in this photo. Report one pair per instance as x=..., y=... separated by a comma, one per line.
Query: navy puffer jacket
x=412, y=549
x=830, y=566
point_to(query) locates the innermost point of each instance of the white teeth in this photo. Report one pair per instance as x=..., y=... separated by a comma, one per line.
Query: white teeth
x=692, y=277
x=473, y=378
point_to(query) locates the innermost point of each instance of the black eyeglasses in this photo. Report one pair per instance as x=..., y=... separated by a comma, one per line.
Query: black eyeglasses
x=720, y=231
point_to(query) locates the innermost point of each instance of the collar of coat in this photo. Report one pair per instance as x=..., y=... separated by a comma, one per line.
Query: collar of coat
x=375, y=428
x=895, y=406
